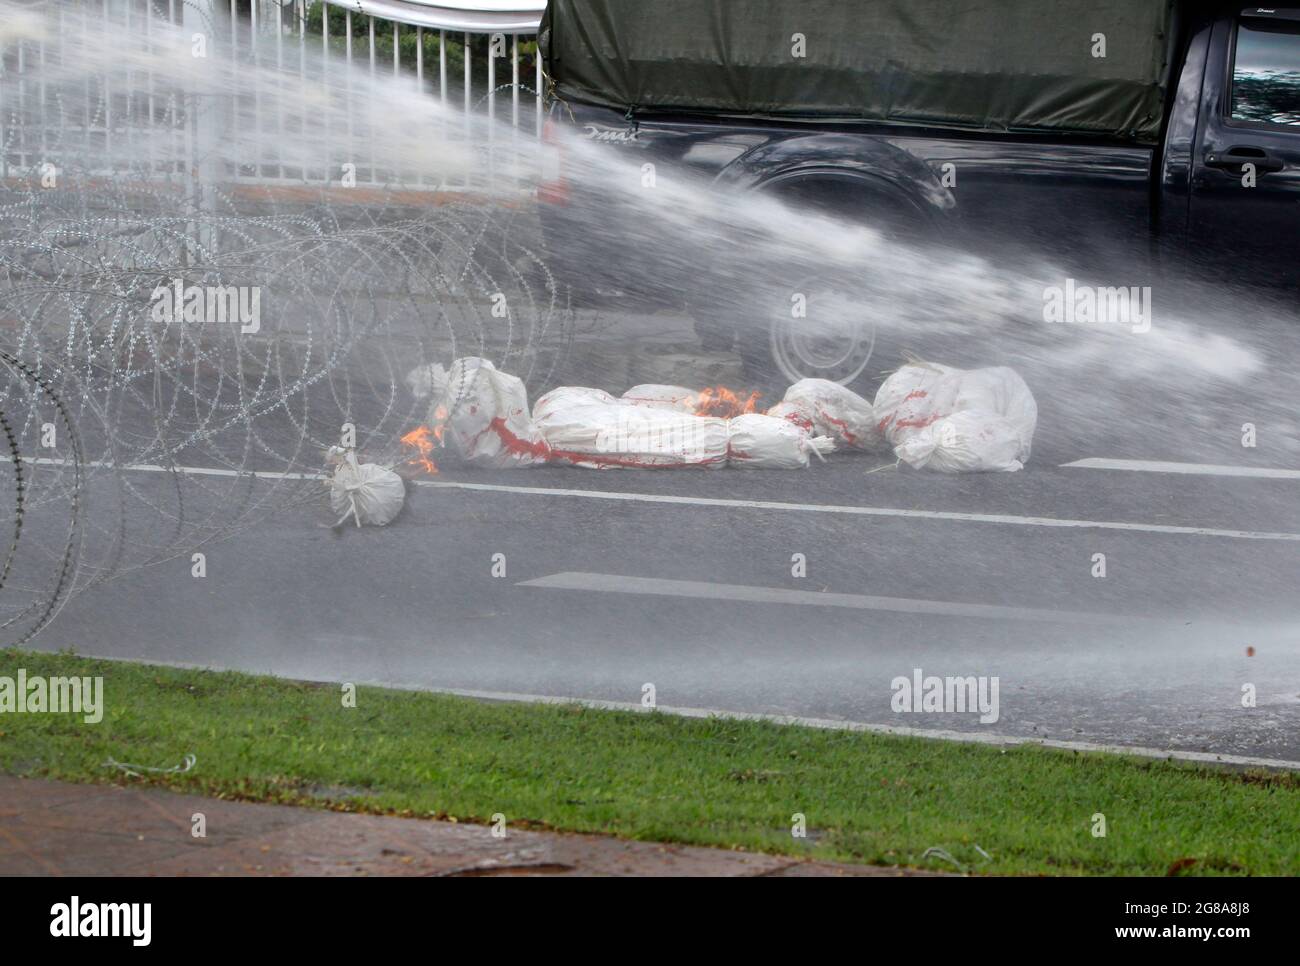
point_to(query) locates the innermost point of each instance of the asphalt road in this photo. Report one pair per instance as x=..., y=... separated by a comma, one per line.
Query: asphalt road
x=684, y=580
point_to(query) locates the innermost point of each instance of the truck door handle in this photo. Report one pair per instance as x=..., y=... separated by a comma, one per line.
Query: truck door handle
x=1237, y=155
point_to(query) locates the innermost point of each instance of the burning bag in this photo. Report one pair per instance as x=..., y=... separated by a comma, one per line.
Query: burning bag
x=486, y=414
x=711, y=401
x=768, y=442
x=651, y=426
x=366, y=492
x=826, y=408
x=957, y=420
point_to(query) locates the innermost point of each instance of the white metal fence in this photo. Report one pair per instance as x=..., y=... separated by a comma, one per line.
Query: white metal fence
x=477, y=61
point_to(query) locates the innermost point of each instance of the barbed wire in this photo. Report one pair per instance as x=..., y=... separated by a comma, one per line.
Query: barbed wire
x=140, y=428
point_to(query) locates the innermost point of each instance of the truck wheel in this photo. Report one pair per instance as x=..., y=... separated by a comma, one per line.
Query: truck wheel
x=830, y=333
x=821, y=333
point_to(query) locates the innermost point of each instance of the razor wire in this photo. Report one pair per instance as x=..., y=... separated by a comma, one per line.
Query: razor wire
x=145, y=412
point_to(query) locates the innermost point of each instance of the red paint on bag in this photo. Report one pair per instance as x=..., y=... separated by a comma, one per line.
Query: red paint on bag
x=919, y=423
x=849, y=437
x=512, y=443
x=519, y=447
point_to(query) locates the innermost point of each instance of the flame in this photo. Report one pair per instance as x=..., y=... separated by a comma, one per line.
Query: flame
x=721, y=401
x=423, y=439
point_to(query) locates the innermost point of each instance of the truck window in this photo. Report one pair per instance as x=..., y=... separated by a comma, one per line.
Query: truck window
x=1266, y=74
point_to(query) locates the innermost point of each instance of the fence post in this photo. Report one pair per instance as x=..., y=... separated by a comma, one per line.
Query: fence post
x=204, y=119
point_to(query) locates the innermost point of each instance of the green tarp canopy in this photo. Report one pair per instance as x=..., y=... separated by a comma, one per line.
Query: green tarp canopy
x=996, y=65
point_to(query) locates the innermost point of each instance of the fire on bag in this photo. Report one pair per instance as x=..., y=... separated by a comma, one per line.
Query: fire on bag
x=658, y=426
x=933, y=416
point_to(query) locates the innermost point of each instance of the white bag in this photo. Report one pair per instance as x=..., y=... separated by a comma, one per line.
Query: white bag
x=826, y=408
x=799, y=413
x=607, y=436
x=1001, y=390
x=769, y=442
x=677, y=398
x=956, y=420
x=567, y=397
x=486, y=415
x=366, y=492
x=908, y=400
x=968, y=441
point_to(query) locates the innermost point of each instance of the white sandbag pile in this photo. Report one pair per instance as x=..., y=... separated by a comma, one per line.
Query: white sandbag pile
x=368, y=493
x=933, y=416
x=957, y=420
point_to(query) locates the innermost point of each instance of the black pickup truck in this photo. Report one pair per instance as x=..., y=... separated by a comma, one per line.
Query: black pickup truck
x=1152, y=132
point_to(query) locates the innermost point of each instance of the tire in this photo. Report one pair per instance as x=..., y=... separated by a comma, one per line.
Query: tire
x=821, y=334
x=824, y=327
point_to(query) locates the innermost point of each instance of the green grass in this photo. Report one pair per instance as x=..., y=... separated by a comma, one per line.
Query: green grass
x=867, y=798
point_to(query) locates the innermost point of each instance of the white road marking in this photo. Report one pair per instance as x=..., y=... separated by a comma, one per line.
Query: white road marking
x=616, y=584
x=185, y=470
x=869, y=511
x=1199, y=469
x=831, y=724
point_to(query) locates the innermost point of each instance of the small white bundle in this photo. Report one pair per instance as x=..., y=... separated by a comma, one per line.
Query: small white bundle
x=367, y=492
x=826, y=408
x=768, y=442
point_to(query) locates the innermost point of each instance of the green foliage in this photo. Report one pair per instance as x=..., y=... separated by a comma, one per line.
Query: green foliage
x=866, y=797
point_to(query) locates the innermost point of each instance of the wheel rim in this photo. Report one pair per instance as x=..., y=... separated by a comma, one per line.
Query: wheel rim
x=831, y=341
